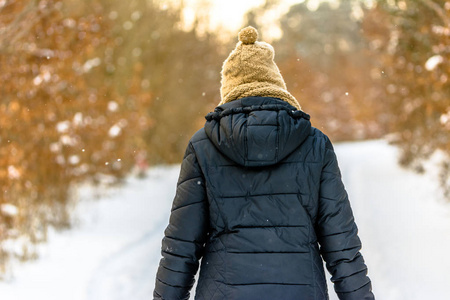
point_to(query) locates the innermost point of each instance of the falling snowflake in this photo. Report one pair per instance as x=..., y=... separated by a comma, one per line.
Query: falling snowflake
x=433, y=61
x=114, y=131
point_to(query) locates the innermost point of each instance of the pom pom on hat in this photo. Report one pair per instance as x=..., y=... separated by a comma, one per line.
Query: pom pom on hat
x=248, y=35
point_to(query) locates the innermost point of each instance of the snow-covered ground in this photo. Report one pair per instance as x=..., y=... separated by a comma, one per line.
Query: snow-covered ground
x=113, y=251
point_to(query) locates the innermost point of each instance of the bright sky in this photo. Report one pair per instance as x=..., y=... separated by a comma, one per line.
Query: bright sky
x=229, y=13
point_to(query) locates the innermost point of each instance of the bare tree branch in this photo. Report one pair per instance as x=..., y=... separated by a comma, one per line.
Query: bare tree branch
x=439, y=11
x=5, y=4
x=19, y=26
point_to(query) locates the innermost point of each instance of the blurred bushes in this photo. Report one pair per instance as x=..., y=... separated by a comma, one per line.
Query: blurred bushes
x=179, y=67
x=88, y=88
x=411, y=40
x=324, y=58
x=61, y=122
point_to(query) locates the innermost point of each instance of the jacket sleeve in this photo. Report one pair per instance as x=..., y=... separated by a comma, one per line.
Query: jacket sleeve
x=338, y=235
x=182, y=246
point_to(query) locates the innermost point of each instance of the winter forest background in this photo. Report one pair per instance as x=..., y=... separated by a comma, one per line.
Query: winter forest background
x=93, y=91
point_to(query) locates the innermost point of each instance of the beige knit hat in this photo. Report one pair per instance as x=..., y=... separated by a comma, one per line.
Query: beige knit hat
x=250, y=70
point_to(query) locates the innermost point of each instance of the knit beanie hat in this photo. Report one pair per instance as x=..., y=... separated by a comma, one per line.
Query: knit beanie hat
x=250, y=70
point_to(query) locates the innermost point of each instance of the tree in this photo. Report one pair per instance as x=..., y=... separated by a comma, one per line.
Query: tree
x=89, y=90
x=60, y=124
x=411, y=39
x=180, y=67
x=326, y=63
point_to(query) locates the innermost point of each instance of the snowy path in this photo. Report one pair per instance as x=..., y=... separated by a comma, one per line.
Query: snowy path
x=111, y=254
x=114, y=252
x=405, y=229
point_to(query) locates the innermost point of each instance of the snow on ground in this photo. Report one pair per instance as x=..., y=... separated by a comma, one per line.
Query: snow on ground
x=113, y=252
x=404, y=223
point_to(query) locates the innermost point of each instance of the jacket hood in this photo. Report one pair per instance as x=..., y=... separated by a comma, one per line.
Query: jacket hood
x=257, y=131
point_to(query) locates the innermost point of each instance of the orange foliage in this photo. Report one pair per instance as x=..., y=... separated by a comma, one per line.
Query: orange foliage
x=60, y=121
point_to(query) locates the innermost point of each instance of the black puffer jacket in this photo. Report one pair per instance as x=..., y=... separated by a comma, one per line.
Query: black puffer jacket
x=259, y=191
